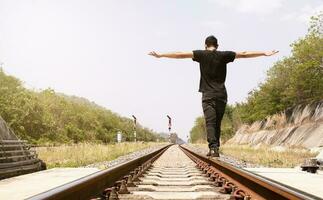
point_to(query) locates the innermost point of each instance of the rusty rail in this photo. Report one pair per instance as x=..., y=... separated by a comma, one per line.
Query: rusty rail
x=242, y=184
x=93, y=185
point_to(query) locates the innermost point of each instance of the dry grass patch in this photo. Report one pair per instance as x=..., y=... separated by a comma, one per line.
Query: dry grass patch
x=265, y=156
x=85, y=153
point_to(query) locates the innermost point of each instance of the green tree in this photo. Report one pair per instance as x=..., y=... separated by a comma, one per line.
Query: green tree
x=47, y=116
x=297, y=79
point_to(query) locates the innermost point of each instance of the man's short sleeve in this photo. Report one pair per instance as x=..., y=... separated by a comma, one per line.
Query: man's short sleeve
x=198, y=55
x=229, y=56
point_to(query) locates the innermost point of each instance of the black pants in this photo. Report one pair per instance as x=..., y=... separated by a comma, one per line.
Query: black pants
x=213, y=109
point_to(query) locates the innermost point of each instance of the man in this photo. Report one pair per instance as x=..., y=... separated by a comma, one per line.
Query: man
x=213, y=68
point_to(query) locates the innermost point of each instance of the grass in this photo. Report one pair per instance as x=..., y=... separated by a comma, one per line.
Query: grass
x=84, y=154
x=264, y=155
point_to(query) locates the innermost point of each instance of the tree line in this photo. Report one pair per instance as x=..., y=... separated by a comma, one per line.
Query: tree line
x=296, y=79
x=49, y=117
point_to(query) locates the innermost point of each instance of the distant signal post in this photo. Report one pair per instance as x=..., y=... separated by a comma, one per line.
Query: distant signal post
x=169, y=123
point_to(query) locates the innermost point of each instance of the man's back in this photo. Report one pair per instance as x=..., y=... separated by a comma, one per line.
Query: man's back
x=213, y=71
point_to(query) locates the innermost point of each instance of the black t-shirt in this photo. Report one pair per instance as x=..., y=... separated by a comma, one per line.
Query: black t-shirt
x=213, y=68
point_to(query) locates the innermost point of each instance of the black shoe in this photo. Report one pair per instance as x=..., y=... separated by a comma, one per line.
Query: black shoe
x=213, y=152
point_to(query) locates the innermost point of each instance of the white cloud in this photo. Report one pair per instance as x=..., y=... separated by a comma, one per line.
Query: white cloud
x=252, y=6
x=304, y=14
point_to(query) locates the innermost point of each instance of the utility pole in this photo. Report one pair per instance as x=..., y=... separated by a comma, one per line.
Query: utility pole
x=134, y=127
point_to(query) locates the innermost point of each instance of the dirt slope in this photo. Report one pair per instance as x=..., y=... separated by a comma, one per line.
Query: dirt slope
x=301, y=126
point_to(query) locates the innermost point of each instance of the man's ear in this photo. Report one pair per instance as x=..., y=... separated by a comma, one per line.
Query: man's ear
x=205, y=46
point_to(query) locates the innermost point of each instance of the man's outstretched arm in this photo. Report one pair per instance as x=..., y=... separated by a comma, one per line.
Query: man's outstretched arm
x=253, y=54
x=177, y=55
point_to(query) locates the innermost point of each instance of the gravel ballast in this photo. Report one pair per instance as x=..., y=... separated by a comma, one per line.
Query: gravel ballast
x=125, y=158
x=224, y=158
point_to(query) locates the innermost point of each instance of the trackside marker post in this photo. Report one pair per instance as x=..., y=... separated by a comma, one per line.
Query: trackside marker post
x=134, y=127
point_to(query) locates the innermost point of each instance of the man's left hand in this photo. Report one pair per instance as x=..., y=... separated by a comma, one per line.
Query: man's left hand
x=153, y=53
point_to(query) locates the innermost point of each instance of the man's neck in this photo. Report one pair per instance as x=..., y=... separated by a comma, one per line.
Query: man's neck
x=210, y=48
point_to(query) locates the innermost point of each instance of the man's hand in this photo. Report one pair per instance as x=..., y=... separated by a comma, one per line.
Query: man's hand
x=270, y=53
x=153, y=53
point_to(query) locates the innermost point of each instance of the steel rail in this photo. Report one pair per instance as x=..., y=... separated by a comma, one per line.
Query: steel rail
x=93, y=184
x=255, y=186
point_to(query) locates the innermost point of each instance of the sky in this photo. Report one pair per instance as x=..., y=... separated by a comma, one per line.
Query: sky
x=98, y=49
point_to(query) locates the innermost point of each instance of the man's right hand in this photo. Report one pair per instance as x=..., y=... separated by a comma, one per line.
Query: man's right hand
x=253, y=54
x=270, y=53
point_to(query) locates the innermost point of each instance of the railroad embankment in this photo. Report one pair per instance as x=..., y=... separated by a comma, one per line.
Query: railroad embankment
x=299, y=127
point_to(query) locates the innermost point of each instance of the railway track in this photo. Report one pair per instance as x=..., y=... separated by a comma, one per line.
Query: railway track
x=174, y=172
